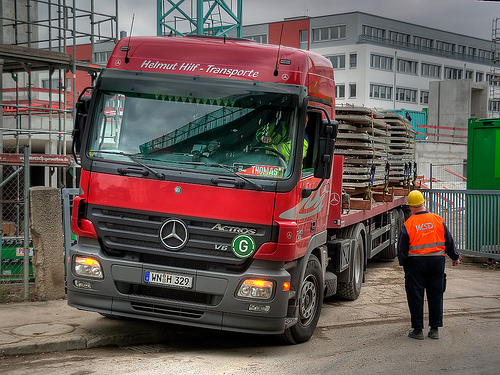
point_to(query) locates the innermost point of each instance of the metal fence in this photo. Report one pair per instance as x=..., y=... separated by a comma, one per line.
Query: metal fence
x=472, y=216
x=15, y=267
x=448, y=176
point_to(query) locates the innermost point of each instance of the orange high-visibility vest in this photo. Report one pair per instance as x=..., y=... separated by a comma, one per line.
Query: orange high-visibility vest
x=426, y=232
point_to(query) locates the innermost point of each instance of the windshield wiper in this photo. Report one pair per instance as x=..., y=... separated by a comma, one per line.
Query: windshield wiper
x=159, y=175
x=240, y=182
x=220, y=180
x=230, y=169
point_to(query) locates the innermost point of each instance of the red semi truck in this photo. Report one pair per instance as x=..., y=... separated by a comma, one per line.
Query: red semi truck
x=210, y=192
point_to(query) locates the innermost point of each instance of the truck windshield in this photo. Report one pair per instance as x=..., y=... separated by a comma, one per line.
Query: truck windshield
x=244, y=132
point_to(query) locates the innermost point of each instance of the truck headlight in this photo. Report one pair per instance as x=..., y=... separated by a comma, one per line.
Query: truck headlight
x=88, y=267
x=256, y=288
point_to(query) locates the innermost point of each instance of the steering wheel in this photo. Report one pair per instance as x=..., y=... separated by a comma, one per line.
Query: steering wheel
x=273, y=151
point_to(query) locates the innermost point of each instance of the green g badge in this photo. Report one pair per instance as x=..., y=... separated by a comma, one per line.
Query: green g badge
x=243, y=246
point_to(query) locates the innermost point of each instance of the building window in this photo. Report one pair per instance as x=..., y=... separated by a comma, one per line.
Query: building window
x=352, y=90
x=338, y=61
x=340, y=91
x=329, y=33
x=484, y=54
x=493, y=80
x=424, y=97
x=445, y=46
x=55, y=84
x=494, y=106
x=461, y=49
x=469, y=74
x=430, y=70
x=407, y=66
x=472, y=52
x=375, y=32
x=304, y=39
x=102, y=57
x=452, y=73
x=262, y=38
x=423, y=43
x=479, y=76
x=381, y=62
x=380, y=92
x=353, y=60
x=399, y=38
x=406, y=95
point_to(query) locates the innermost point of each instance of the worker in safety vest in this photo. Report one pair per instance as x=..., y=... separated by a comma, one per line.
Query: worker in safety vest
x=423, y=244
x=277, y=137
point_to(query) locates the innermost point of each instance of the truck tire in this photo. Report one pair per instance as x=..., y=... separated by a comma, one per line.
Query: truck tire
x=310, y=304
x=391, y=251
x=350, y=290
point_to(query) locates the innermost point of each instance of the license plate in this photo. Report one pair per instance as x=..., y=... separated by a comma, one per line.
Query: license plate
x=168, y=279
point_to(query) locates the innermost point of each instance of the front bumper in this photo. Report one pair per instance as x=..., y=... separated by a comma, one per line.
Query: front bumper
x=210, y=303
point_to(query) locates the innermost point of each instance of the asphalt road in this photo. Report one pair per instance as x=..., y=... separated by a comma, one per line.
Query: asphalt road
x=368, y=335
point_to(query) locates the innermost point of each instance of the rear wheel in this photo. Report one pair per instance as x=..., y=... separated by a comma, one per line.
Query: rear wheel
x=310, y=304
x=390, y=252
x=350, y=290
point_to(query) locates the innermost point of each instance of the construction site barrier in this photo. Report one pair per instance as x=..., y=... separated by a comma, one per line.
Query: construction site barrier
x=472, y=216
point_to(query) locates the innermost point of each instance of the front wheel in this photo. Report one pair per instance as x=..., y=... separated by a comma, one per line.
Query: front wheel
x=310, y=304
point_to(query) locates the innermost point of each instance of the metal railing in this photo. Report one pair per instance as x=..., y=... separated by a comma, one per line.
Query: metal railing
x=426, y=50
x=472, y=216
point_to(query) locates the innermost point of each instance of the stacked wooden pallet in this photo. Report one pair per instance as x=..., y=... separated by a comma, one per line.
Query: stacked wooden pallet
x=378, y=149
x=363, y=140
x=401, y=148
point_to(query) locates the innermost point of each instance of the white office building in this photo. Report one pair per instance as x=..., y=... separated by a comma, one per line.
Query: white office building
x=380, y=62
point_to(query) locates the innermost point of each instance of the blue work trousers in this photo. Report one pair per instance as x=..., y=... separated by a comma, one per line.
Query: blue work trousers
x=425, y=273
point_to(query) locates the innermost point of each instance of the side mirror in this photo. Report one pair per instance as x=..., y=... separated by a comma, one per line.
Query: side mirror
x=82, y=110
x=326, y=144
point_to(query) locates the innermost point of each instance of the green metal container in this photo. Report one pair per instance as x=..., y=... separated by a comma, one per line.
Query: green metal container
x=483, y=173
x=417, y=119
x=483, y=154
x=12, y=259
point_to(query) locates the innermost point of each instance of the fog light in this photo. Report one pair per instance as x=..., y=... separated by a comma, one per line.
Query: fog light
x=82, y=284
x=256, y=288
x=259, y=308
x=88, y=267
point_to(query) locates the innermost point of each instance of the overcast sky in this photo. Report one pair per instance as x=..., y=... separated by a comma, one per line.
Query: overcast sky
x=469, y=17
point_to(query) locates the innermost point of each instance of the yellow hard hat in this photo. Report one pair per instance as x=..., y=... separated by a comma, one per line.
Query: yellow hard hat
x=415, y=198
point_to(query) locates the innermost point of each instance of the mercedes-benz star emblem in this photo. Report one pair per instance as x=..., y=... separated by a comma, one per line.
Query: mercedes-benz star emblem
x=174, y=234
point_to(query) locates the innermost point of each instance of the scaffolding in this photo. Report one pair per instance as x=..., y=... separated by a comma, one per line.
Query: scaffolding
x=40, y=42
x=494, y=77
x=46, y=54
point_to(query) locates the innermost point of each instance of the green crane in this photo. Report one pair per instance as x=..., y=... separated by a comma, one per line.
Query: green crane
x=199, y=17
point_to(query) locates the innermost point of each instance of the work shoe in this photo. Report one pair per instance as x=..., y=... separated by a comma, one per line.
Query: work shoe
x=416, y=334
x=433, y=333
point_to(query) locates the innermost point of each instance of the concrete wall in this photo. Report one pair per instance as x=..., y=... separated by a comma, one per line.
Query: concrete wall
x=48, y=250
x=18, y=34
x=453, y=102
